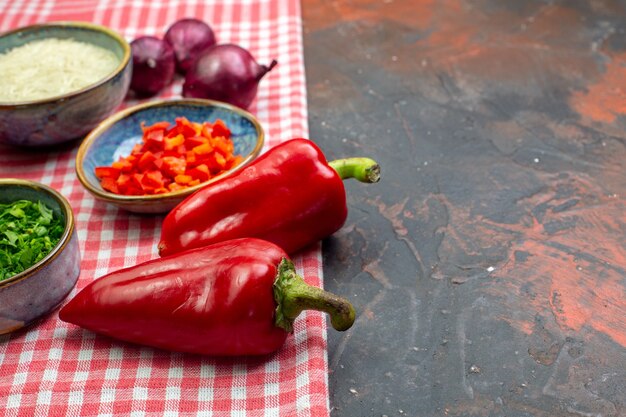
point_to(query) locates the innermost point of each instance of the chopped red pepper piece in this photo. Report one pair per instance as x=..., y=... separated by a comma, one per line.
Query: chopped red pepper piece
x=154, y=127
x=207, y=128
x=152, y=179
x=224, y=147
x=191, y=158
x=236, y=160
x=122, y=165
x=220, y=129
x=173, y=166
x=201, y=172
x=146, y=161
x=127, y=185
x=175, y=187
x=154, y=140
x=203, y=149
x=109, y=184
x=174, y=142
x=183, y=127
x=194, y=141
x=216, y=163
x=107, y=172
x=183, y=179
x=136, y=180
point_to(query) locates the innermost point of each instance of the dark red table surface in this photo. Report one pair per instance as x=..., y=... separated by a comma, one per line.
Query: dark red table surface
x=489, y=265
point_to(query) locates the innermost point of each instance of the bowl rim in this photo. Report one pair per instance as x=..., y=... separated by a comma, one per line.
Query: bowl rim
x=196, y=102
x=68, y=231
x=67, y=24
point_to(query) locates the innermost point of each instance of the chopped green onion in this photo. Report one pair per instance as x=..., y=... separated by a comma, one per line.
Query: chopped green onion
x=28, y=232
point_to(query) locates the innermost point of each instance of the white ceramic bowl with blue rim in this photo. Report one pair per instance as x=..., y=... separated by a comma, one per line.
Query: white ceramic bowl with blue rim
x=117, y=135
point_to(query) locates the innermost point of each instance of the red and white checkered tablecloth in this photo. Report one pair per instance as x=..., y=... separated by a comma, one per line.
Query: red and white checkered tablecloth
x=56, y=369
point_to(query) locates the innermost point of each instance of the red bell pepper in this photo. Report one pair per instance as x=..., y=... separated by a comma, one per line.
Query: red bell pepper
x=233, y=298
x=289, y=196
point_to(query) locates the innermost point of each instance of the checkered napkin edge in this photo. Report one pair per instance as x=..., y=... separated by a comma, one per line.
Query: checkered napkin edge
x=56, y=369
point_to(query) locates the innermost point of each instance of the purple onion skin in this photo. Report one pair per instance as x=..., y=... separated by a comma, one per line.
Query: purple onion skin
x=225, y=73
x=153, y=65
x=188, y=37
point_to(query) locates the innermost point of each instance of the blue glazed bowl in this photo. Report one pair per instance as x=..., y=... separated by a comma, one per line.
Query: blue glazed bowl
x=63, y=118
x=117, y=135
x=40, y=289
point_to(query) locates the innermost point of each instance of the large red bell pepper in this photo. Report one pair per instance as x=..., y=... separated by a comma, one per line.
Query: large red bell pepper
x=238, y=297
x=289, y=196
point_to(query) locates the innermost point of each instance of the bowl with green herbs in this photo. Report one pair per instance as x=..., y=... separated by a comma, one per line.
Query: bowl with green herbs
x=39, y=252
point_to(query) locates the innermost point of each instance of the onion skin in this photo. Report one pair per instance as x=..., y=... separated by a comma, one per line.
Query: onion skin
x=153, y=65
x=188, y=37
x=225, y=73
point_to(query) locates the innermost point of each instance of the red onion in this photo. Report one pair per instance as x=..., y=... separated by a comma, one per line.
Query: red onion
x=225, y=73
x=153, y=65
x=188, y=37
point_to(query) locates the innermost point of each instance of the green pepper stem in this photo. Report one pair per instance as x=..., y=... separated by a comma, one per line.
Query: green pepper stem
x=361, y=169
x=293, y=296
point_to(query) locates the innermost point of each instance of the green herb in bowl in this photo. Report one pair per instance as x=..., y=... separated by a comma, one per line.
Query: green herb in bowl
x=28, y=232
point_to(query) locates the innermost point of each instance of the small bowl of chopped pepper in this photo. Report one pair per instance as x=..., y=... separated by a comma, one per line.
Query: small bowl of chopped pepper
x=39, y=252
x=148, y=158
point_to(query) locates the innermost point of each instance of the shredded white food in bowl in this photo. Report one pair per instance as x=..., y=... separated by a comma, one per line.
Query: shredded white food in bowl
x=52, y=67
